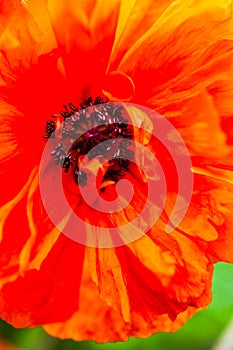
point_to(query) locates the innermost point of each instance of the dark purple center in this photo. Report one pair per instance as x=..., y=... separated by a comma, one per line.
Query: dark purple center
x=88, y=126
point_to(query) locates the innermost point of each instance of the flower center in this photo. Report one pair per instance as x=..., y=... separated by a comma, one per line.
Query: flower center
x=94, y=123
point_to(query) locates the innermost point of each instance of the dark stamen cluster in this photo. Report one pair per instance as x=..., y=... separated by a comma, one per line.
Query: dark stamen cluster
x=49, y=129
x=59, y=154
x=88, y=127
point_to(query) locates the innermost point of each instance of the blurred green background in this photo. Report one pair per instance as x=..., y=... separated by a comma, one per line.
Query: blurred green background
x=200, y=333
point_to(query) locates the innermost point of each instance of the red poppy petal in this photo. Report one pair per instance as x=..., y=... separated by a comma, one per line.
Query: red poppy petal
x=135, y=19
x=210, y=76
x=94, y=320
x=162, y=60
x=39, y=12
x=46, y=295
x=124, y=279
x=203, y=134
x=34, y=237
x=11, y=248
x=16, y=23
x=102, y=323
x=215, y=205
x=86, y=53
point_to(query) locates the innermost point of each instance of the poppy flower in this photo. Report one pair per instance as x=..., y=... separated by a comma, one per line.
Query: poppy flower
x=175, y=58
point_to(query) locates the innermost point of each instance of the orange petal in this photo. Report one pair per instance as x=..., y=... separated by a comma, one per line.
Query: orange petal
x=135, y=19
x=159, y=60
x=39, y=11
x=218, y=206
x=203, y=134
x=102, y=323
x=17, y=24
x=138, y=288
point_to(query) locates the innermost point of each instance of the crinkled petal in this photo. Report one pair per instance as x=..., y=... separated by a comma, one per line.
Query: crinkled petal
x=135, y=19
x=19, y=35
x=40, y=14
x=161, y=65
x=96, y=320
x=123, y=277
